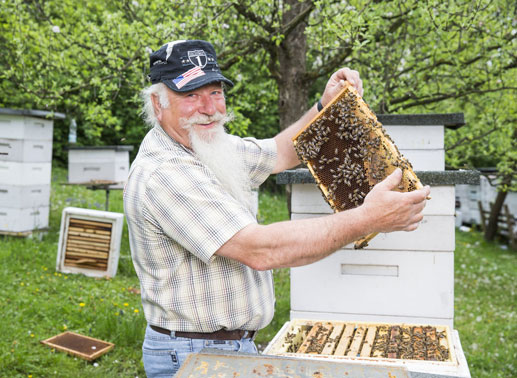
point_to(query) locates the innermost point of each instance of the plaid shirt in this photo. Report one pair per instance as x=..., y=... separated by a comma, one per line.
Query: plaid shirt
x=179, y=215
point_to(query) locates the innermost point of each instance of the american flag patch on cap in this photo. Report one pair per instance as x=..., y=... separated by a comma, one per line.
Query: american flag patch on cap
x=186, y=77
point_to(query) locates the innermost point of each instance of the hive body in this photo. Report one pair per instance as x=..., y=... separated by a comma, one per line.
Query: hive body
x=348, y=152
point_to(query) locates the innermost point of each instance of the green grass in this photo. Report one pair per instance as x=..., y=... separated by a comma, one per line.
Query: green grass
x=486, y=305
x=38, y=302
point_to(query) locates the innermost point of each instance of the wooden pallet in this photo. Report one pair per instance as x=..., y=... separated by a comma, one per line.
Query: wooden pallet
x=347, y=151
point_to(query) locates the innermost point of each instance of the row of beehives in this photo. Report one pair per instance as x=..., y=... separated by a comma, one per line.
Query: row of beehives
x=468, y=197
x=25, y=166
x=25, y=169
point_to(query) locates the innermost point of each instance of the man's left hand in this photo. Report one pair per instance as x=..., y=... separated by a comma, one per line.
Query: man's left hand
x=337, y=81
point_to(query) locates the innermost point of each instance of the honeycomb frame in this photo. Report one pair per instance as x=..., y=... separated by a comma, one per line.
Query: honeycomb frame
x=348, y=151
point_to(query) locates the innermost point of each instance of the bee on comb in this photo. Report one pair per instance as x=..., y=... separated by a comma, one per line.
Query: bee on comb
x=348, y=152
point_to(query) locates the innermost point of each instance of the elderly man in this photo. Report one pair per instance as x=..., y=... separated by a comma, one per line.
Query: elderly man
x=203, y=261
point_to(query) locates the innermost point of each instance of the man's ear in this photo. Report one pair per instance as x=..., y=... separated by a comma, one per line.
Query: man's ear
x=157, y=107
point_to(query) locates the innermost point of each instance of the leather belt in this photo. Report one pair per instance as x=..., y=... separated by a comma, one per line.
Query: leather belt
x=222, y=334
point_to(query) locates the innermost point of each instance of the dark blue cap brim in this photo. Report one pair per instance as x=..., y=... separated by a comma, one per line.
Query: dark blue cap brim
x=208, y=78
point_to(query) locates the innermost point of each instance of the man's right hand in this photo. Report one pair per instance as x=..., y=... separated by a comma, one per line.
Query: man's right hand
x=390, y=210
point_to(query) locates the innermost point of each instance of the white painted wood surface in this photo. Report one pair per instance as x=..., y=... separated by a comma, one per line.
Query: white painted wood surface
x=14, y=219
x=87, y=165
x=307, y=199
x=24, y=196
x=24, y=150
x=417, y=137
x=24, y=174
x=435, y=233
x=386, y=283
x=22, y=127
x=96, y=155
x=425, y=160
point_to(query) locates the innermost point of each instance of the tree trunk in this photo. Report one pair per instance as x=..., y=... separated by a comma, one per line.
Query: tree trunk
x=491, y=227
x=293, y=90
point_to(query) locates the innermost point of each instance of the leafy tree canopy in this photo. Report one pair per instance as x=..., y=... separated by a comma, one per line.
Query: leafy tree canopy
x=89, y=59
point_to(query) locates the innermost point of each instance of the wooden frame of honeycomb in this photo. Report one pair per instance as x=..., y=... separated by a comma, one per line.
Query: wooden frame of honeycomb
x=370, y=341
x=348, y=151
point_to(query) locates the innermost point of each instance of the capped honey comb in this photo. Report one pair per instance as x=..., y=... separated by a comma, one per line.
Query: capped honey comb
x=348, y=151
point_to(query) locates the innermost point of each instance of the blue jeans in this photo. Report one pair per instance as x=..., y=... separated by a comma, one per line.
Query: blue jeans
x=164, y=354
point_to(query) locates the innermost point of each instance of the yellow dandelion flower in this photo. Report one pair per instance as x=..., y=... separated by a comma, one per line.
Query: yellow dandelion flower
x=136, y=311
x=82, y=304
x=126, y=304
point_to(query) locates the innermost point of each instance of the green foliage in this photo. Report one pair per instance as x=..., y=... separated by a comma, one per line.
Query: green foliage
x=89, y=60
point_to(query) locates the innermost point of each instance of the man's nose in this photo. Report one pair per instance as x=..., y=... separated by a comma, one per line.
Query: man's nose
x=207, y=106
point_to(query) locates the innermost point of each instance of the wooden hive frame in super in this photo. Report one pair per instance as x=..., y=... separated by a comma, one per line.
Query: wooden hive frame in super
x=89, y=242
x=347, y=151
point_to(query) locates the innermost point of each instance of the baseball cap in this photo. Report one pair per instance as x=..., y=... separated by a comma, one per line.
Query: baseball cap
x=186, y=65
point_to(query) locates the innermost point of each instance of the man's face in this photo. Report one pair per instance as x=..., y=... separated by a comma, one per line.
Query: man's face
x=204, y=106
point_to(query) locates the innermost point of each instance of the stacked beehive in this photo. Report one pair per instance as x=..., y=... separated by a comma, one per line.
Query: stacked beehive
x=25, y=166
x=98, y=163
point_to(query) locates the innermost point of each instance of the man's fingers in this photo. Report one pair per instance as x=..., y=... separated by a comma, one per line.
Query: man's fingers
x=419, y=195
x=391, y=182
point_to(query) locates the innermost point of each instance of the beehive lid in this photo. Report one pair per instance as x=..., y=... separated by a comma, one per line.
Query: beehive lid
x=78, y=345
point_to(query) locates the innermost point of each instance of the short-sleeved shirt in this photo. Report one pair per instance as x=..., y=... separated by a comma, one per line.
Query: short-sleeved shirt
x=179, y=215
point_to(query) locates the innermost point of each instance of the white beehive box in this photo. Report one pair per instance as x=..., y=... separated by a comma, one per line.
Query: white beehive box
x=426, y=351
x=398, y=276
x=110, y=163
x=25, y=174
x=25, y=168
x=89, y=242
x=28, y=150
x=423, y=146
x=26, y=124
x=23, y=219
x=19, y=196
x=468, y=197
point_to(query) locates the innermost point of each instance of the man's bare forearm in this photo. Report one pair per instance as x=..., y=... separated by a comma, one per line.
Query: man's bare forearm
x=297, y=242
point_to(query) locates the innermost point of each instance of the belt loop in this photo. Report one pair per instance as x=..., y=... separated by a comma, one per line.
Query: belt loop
x=250, y=335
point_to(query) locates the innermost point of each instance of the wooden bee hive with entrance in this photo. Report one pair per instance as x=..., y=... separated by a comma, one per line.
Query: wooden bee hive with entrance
x=425, y=348
x=348, y=152
x=89, y=242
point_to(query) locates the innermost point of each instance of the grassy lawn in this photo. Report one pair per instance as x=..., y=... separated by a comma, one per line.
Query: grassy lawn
x=38, y=302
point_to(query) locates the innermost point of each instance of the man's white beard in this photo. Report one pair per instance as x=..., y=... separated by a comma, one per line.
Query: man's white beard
x=215, y=150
